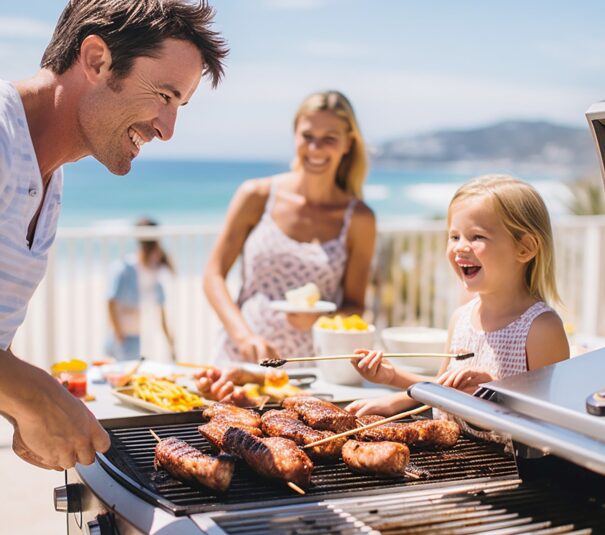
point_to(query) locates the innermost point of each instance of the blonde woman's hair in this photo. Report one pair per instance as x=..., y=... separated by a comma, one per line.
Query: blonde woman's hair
x=353, y=168
x=523, y=213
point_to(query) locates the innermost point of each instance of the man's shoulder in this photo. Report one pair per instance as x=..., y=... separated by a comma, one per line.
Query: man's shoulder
x=8, y=117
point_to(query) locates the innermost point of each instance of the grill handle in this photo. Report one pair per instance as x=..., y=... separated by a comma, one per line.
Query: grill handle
x=548, y=438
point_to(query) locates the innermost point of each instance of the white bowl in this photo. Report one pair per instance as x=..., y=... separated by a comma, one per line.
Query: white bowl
x=331, y=342
x=416, y=340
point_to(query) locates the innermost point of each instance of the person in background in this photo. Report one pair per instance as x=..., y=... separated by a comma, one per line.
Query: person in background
x=136, y=283
x=112, y=79
x=501, y=247
x=306, y=225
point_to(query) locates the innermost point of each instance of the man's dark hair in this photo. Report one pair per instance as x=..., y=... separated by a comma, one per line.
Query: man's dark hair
x=133, y=28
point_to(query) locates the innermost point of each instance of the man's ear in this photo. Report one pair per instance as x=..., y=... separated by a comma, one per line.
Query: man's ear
x=95, y=58
x=527, y=248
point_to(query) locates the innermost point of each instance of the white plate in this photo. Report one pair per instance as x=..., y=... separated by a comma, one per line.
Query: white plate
x=126, y=395
x=321, y=307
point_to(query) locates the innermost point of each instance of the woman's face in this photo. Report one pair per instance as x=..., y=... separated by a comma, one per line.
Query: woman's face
x=322, y=139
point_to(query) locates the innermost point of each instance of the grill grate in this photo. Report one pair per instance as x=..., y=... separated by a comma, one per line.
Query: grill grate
x=488, y=508
x=130, y=460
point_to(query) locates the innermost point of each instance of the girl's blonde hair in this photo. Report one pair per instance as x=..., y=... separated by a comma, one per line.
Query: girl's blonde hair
x=523, y=213
x=353, y=168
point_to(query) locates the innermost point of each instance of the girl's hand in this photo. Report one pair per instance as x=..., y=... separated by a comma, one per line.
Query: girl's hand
x=256, y=349
x=465, y=379
x=301, y=321
x=373, y=367
x=382, y=406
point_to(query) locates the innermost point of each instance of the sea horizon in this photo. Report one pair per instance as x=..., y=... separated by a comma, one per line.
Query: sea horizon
x=190, y=192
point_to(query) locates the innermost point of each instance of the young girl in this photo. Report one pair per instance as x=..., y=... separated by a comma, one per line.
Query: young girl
x=500, y=245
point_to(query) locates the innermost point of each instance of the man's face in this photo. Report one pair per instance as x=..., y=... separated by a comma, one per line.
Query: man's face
x=116, y=118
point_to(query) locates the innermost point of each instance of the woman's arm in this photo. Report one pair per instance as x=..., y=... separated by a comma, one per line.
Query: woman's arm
x=361, y=240
x=167, y=333
x=243, y=215
x=546, y=341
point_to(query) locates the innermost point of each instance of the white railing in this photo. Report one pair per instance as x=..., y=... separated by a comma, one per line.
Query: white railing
x=412, y=283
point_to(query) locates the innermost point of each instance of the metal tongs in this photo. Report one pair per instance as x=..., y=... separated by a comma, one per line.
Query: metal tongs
x=276, y=363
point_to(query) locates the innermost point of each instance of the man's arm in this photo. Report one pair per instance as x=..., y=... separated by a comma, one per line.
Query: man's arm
x=53, y=429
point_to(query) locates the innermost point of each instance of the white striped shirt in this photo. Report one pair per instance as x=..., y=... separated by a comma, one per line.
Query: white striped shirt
x=21, y=191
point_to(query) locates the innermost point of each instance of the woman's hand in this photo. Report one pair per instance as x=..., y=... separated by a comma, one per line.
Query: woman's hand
x=465, y=379
x=383, y=406
x=255, y=349
x=301, y=321
x=373, y=367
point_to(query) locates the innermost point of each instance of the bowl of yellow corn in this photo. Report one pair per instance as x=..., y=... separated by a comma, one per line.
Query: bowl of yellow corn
x=340, y=335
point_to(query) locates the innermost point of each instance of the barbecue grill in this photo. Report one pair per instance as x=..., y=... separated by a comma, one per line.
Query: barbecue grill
x=476, y=487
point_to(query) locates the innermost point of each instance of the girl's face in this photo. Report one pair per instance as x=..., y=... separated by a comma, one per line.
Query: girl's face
x=322, y=139
x=480, y=249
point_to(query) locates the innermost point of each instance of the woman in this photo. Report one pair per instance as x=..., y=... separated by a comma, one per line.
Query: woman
x=306, y=225
x=136, y=282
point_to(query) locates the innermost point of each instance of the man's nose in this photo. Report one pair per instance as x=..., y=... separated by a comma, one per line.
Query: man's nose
x=164, y=124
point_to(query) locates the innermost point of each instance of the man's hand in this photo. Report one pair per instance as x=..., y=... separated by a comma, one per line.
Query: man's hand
x=53, y=429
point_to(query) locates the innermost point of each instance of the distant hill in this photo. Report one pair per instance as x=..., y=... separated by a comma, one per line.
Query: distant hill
x=536, y=146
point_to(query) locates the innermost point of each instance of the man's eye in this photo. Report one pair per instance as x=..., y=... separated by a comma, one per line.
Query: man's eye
x=165, y=97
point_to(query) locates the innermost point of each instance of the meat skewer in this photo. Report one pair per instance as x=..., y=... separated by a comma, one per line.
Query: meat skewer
x=184, y=462
x=436, y=433
x=320, y=414
x=286, y=424
x=381, y=458
x=350, y=432
x=273, y=457
x=227, y=410
x=214, y=431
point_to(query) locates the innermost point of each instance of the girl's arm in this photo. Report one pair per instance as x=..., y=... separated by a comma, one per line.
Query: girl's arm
x=114, y=321
x=243, y=215
x=546, y=341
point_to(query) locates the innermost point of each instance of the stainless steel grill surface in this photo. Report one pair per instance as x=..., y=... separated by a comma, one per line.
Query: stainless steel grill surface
x=130, y=460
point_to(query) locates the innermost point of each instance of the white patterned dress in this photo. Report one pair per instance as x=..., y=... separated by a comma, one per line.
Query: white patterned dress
x=500, y=353
x=273, y=263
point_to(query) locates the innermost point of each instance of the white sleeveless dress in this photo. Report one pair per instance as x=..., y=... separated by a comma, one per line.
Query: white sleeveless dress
x=500, y=353
x=273, y=263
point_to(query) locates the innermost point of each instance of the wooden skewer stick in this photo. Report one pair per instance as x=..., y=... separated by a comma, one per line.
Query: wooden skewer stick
x=295, y=487
x=155, y=435
x=417, y=410
x=276, y=363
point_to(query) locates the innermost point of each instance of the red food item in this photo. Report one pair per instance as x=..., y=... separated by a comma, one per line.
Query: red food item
x=76, y=384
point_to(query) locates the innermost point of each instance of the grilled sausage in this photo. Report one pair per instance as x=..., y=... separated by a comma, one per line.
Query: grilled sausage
x=320, y=414
x=243, y=416
x=286, y=424
x=274, y=457
x=189, y=464
x=434, y=433
x=214, y=431
x=380, y=458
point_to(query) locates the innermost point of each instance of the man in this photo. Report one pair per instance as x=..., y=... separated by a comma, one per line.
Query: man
x=111, y=80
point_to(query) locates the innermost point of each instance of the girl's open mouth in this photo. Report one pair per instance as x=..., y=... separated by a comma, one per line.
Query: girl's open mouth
x=470, y=271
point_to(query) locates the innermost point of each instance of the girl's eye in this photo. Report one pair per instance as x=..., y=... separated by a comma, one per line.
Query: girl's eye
x=478, y=237
x=453, y=237
x=329, y=140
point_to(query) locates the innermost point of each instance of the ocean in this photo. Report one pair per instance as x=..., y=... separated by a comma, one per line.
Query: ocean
x=181, y=192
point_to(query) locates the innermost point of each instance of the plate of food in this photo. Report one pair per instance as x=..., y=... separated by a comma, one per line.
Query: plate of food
x=305, y=300
x=159, y=395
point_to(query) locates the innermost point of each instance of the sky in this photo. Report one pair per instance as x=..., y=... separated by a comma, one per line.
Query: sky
x=407, y=66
